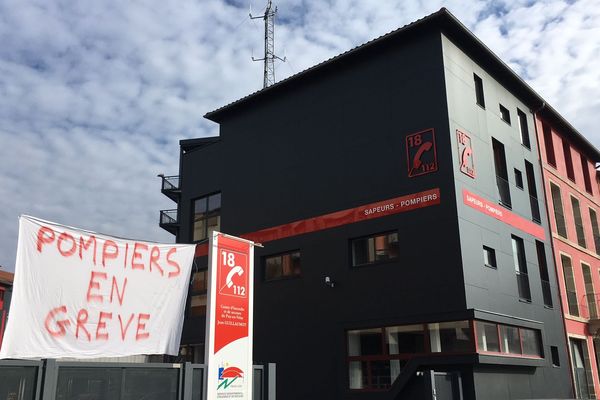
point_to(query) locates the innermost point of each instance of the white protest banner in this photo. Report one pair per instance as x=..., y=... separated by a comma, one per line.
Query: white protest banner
x=84, y=295
x=229, y=318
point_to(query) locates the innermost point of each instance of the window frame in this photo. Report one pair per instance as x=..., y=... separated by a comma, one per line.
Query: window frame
x=502, y=352
x=568, y=156
x=202, y=292
x=207, y=215
x=579, y=228
x=519, y=179
x=282, y=277
x=504, y=114
x=493, y=253
x=524, y=129
x=375, y=262
x=479, y=91
x=549, y=144
x=560, y=206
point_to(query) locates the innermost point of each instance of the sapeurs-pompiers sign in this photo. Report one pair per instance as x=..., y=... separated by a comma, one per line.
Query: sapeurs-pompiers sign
x=85, y=295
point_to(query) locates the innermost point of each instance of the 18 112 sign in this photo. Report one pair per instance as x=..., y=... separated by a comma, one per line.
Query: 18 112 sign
x=421, y=153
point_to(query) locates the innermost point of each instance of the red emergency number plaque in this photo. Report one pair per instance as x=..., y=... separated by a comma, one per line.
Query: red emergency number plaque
x=421, y=153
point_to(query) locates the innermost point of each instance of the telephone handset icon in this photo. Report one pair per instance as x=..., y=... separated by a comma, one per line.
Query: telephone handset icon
x=237, y=270
x=417, y=159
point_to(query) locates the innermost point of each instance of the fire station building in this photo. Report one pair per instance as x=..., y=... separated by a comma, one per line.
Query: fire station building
x=398, y=192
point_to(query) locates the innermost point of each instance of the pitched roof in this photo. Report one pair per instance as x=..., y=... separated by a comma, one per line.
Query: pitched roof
x=446, y=22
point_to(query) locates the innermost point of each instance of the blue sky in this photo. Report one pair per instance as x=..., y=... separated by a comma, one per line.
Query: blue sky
x=95, y=96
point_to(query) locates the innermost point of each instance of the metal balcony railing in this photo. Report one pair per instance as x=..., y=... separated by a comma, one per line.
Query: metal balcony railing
x=169, y=221
x=589, y=306
x=523, y=285
x=535, y=209
x=503, y=191
x=170, y=187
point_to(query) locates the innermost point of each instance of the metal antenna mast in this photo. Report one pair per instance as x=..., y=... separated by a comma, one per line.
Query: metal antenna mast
x=269, y=58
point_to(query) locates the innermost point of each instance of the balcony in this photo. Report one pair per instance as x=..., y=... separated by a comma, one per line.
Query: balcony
x=589, y=308
x=170, y=187
x=169, y=221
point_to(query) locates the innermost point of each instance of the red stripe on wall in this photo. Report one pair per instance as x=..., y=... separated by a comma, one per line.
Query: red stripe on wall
x=502, y=214
x=339, y=218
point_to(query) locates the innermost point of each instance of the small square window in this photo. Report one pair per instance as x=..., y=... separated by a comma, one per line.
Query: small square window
x=505, y=114
x=282, y=266
x=555, y=359
x=489, y=257
x=518, y=179
x=374, y=249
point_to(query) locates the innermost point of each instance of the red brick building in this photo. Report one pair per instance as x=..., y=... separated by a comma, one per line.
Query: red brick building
x=572, y=191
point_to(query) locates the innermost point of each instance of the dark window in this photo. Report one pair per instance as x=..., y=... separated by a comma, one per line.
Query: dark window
x=207, y=216
x=198, y=294
x=406, y=339
x=373, y=249
x=580, y=362
x=451, y=337
x=555, y=358
x=518, y=179
x=578, y=221
x=505, y=114
x=487, y=337
x=509, y=340
x=544, y=275
x=509, y=336
x=568, y=160
x=586, y=174
x=524, y=129
x=280, y=266
x=590, y=294
x=479, y=90
x=595, y=231
x=570, y=285
x=501, y=173
x=530, y=339
x=489, y=257
x=549, y=144
x=559, y=216
x=531, y=187
x=520, y=263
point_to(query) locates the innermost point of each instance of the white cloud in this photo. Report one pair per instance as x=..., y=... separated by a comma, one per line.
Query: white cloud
x=94, y=96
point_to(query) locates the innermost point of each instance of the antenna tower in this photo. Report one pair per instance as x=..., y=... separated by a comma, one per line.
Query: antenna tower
x=269, y=57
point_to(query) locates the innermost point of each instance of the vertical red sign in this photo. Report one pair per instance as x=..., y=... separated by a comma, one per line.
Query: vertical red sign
x=421, y=153
x=231, y=314
x=465, y=153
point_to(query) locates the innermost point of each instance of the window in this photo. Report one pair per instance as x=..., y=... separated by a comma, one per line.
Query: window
x=586, y=174
x=590, y=296
x=501, y=173
x=518, y=179
x=595, y=231
x=570, y=285
x=374, y=249
x=523, y=129
x=549, y=144
x=544, y=275
x=559, y=217
x=578, y=221
x=207, y=216
x=580, y=363
x=376, y=355
x=555, y=358
x=479, y=90
x=568, y=160
x=198, y=294
x=450, y=337
x=280, y=266
x=521, y=268
x=503, y=339
x=531, y=187
x=489, y=257
x=505, y=114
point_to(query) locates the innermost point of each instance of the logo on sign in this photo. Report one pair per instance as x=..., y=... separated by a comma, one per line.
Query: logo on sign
x=227, y=376
x=465, y=154
x=233, y=278
x=421, y=153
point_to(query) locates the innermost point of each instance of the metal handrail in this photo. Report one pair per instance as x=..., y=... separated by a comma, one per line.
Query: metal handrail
x=170, y=182
x=168, y=216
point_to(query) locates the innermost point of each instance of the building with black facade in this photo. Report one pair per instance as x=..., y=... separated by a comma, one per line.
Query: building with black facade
x=398, y=194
